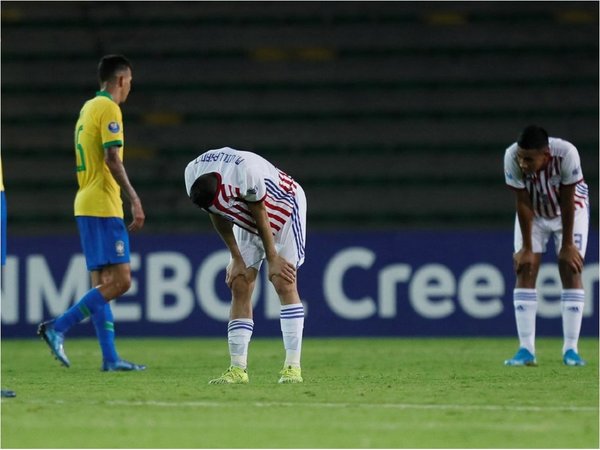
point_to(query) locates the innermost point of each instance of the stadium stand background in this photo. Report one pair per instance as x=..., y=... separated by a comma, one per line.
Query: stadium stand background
x=392, y=115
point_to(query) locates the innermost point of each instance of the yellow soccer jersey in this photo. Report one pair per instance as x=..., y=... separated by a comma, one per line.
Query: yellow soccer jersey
x=100, y=126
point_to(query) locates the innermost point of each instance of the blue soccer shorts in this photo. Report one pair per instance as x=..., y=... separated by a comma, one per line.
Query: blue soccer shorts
x=104, y=240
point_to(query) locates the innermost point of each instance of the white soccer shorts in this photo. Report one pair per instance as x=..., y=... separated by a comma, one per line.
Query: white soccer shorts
x=542, y=229
x=289, y=241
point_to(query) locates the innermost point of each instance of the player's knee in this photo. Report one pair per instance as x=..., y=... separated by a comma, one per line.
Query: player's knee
x=121, y=287
x=566, y=270
x=283, y=287
x=121, y=283
x=241, y=287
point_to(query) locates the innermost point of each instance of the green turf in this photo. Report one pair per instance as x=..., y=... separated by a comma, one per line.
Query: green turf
x=392, y=393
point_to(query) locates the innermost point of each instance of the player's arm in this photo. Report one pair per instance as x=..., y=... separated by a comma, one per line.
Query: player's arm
x=237, y=267
x=569, y=253
x=524, y=258
x=277, y=265
x=117, y=169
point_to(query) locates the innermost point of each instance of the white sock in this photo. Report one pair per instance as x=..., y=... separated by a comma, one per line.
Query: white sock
x=239, y=332
x=525, y=302
x=292, y=324
x=572, y=314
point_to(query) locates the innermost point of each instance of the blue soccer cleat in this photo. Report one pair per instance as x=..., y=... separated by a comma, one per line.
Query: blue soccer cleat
x=572, y=358
x=7, y=393
x=523, y=357
x=121, y=366
x=55, y=341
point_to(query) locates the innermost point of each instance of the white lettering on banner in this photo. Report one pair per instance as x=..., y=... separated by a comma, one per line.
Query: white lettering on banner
x=172, y=289
x=42, y=290
x=333, y=281
x=432, y=289
x=10, y=291
x=389, y=277
x=481, y=280
x=432, y=280
x=176, y=287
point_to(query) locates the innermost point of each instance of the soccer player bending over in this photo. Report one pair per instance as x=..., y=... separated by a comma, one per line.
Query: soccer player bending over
x=551, y=201
x=260, y=213
x=99, y=214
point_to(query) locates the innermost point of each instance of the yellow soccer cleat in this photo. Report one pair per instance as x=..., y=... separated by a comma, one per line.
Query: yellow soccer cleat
x=290, y=375
x=233, y=375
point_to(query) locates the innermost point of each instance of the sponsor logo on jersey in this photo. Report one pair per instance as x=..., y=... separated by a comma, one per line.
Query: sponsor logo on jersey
x=576, y=171
x=113, y=127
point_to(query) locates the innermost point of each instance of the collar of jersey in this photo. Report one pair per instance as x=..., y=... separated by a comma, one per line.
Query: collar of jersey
x=104, y=94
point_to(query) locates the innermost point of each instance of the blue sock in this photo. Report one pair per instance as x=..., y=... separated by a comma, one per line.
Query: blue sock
x=105, y=330
x=91, y=302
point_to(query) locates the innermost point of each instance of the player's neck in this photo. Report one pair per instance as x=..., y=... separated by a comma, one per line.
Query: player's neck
x=113, y=91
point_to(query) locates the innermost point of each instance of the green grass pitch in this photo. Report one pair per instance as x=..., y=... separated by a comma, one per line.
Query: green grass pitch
x=358, y=393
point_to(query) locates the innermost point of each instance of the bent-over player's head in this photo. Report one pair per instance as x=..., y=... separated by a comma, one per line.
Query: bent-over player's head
x=533, y=153
x=115, y=71
x=533, y=138
x=204, y=189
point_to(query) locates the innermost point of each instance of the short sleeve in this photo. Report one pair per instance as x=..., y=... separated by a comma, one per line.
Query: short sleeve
x=111, y=126
x=190, y=177
x=570, y=171
x=253, y=186
x=513, y=176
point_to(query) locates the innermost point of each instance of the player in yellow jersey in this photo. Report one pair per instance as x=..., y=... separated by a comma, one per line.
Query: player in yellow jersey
x=101, y=177
x=5, y=392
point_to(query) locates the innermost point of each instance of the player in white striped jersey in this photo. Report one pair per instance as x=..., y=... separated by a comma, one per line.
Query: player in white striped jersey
x=260, y=213
x=551, y=201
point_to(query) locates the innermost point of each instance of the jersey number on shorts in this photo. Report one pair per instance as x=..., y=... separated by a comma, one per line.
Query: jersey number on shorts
x=80, y=153
x=577, y=240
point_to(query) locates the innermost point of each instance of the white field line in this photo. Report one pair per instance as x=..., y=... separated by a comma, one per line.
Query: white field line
x=369, y=405
x=399, y=406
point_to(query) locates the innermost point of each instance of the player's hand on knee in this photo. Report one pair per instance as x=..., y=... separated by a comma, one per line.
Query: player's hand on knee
x=236, y=268
x=524, y=262
x=570, y=257
x=278, y=266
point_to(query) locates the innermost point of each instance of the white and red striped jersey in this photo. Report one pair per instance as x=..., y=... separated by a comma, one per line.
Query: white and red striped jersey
x=246, y=177
x=543, y=187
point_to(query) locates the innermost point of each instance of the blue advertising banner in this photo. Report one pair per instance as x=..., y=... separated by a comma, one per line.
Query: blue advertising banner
x=404, y=283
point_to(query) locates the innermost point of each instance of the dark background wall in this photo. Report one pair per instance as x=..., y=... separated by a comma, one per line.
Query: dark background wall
x=392, y=115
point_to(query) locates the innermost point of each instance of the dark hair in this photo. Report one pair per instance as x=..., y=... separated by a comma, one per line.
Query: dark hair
x=110, y=65
x=204, y=189
x=533, y=138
